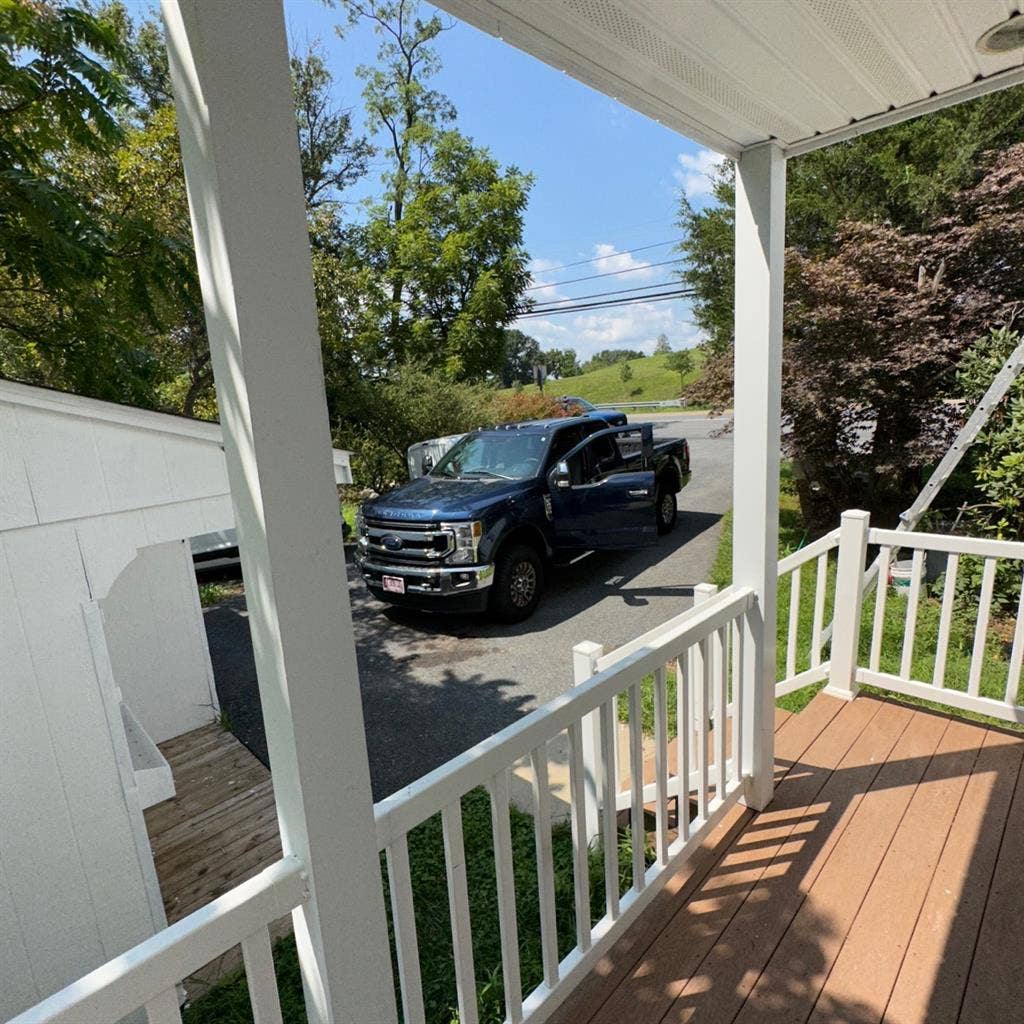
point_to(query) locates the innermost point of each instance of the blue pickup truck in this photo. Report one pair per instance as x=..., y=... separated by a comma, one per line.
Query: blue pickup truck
x=485, y=524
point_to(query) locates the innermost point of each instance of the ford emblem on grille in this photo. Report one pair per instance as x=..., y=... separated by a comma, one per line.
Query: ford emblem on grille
x=392, y=543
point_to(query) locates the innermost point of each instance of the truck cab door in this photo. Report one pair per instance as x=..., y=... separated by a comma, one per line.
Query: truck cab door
x=602, y=492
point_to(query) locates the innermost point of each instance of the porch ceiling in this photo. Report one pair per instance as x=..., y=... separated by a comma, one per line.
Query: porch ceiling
x=734, y=73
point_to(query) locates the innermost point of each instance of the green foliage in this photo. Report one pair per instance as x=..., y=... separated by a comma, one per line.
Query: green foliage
x=680, y=362
x=521, y=354
x=228, y=1003
x=561, y=362
x=996, y=458
x=625, y=372
x=662, y=346
x=610, y=357
x=409, y=405
x=905, y=176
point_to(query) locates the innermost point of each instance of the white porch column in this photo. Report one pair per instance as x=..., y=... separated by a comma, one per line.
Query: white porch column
x=760, y=240
x=229, y=64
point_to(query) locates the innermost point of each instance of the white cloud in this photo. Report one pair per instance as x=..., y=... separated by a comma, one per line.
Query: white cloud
x=607, y=260
x=693, y=172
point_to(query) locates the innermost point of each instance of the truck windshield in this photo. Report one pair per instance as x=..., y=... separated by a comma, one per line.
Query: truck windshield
x=506, y=456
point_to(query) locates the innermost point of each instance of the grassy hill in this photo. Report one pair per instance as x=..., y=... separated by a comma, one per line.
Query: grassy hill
x=652, y=382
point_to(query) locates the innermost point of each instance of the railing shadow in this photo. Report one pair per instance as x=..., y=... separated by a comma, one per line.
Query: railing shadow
x=758, y=939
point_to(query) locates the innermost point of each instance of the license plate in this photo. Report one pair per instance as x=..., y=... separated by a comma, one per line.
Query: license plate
x=393, y=584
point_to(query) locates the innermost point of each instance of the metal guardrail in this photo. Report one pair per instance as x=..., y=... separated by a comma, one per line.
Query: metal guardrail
x=668, y=403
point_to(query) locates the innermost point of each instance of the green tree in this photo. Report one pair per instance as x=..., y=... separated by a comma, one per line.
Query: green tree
x=561, y=362
x=680, y=362
x=522, y=353
x=611, y=356
x=446, y=240
x=661, y=346
x=907, y=176
x=625, y=372
x=333, y=158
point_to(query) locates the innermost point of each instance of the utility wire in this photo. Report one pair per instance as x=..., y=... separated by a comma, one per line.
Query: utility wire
x=661, y=296
x=609, y=273
x=619, y=252
x=555, y=303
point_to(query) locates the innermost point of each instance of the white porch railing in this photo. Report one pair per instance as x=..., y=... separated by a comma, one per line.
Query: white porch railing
x=981, y=681
x=696, y=646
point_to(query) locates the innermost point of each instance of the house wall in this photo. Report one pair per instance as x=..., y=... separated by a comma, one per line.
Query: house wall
x=84, y=487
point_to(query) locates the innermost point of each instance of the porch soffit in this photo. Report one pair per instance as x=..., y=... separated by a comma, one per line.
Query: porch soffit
x=736, y=73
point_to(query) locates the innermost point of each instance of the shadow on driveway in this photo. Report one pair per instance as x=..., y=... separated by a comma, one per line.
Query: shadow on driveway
x=421, y=706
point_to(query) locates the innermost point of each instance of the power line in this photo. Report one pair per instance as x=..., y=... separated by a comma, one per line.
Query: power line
x=619, y=252
x=610, y=273
x=659, y=297
x=555, y=303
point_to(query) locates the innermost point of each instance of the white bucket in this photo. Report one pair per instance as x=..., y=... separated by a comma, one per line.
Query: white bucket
x=901, y=574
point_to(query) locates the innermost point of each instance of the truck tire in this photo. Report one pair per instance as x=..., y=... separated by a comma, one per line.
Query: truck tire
x=665, y=511
x=518, y=581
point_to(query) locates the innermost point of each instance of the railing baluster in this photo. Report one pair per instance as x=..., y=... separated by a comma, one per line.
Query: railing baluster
x=636, y=781
x=720, y=649
x=684, y=725
x=458, y=905
x=580, y=851
x=910, y=625
x=163, y=1009
x=945, y=620
x=258, y=958
x=794, y=622
x=1016, y=653
x=701, y=690
x=737, y=700
x=508, y=922
x=609, y=791
x=404, y=917
x=988, y=579
x=661, y=764
x=545, y=865
x=819, y=609
x=881, y=588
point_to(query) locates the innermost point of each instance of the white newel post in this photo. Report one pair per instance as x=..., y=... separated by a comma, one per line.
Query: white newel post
x=229, y=65
x=760, y=240
x=584, y=665
x=849, y=602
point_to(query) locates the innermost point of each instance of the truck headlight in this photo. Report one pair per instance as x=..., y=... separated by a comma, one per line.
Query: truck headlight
x=467, y=539
x=361, y=537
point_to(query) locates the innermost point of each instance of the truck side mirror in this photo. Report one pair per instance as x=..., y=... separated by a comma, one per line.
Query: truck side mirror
x=559, y=476
x=427, y=464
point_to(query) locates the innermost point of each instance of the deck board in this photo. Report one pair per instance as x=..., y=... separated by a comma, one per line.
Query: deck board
x=882, y=883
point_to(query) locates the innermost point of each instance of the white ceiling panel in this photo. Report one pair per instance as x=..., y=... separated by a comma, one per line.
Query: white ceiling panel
x=734, y=73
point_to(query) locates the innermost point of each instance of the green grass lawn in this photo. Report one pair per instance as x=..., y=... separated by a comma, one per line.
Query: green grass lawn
x=792, y=536
x=228, y=1001
x=652, y=382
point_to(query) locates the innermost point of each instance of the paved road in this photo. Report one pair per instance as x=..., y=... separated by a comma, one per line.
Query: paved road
x=433, y=685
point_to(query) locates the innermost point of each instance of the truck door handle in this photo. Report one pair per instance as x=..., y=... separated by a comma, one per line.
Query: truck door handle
x=639, y=494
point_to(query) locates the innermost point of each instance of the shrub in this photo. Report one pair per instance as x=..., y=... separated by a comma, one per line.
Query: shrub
x=525, y=405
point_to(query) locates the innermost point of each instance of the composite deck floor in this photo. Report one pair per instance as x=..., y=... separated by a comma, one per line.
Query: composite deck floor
x=885, y=882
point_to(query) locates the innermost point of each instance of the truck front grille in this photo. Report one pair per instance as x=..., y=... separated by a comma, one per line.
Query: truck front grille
x=407, y=543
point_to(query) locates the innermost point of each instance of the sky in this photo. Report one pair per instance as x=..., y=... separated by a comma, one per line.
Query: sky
x=607, y=179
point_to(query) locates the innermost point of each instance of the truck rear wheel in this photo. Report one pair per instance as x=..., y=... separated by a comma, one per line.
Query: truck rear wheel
x=518, y=581
x=665, y=511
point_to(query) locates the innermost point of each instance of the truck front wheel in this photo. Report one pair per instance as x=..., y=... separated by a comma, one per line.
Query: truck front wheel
x=518, y=581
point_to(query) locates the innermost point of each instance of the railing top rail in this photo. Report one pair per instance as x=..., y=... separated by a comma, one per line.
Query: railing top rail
x=652, y=636
x=397, y=814
x=981, y=547
x=158, y=963
x=812, y=550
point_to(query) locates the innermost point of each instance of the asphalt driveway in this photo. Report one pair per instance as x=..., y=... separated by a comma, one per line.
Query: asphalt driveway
x=433, y=685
